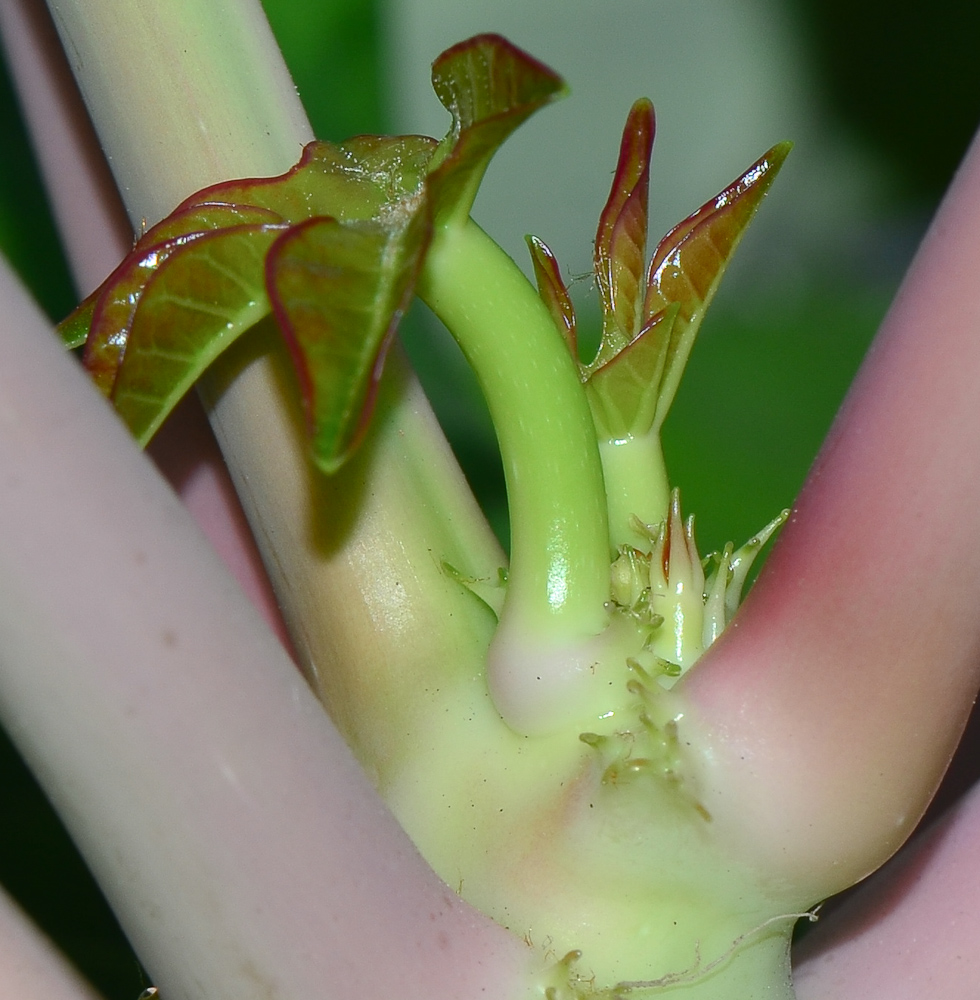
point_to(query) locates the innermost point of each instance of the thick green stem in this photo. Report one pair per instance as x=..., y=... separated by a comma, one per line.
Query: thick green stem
x=558, y=584
x=636, y=487
x=182, y=94
x=232, y=111
x=358, y=557
x=559, y=564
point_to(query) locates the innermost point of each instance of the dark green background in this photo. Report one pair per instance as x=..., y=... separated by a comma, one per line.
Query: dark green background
x=764, y=382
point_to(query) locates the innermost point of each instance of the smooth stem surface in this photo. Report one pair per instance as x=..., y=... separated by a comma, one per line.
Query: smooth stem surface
x=30, y=967
x=855, y=659
x=226, y=903
x=912, y=931
x=558, y=582
x=636, y=487
x=226, y=820
x=230, y=111
x=559, y=569
x=358, y=556
x=90, y=218
x=96, y=234
x=217, y=131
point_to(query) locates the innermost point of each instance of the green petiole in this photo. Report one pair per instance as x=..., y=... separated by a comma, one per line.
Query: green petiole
x=558, y=584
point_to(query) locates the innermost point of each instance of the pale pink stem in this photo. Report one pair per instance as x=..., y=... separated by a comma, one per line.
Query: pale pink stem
x=89, y=214
x=96, y=234
x=235, y=836
x=912, y=933
x=837, y=697
x=30, y=967
x=186, y=452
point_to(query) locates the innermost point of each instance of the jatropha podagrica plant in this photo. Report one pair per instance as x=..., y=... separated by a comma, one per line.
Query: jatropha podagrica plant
x=566, y=804
x=541, y=729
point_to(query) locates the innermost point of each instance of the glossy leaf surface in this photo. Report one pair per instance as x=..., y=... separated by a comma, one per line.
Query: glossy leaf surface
x=690, y=260
x=194, y=305
x=682, y=278
x=553, y=292
x=338, y=291
x=621, y=238
x=198, y=279
x=624, y=393
x=362, y=178
x=490, y=87
x=74, y=329
x=195, y=281
x=111, y=309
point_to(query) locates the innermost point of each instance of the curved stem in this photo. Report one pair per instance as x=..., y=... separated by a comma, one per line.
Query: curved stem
x=559, y=573
x=857, y=654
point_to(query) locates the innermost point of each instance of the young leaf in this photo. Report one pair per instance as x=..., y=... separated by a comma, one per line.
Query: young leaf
x=74, y=328
x=115, y=308
x=193, y=306
x=553, y=292
x=338, y=290
x=362, y=178
x=193, y=282
x=115, y=303
x=690, y=260
x=103, y=320
x=490, y=87
x=624, y=392
x=620, y=244
x=145, y=352
x=206, y=217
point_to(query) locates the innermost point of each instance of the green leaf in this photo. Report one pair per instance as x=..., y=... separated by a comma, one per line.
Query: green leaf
x=116, y=305
x=205, y=217
x=553, y=292
x=338, y=290
x=690, y=260
x=101, y=321
x=358, y=222
x=202, y=298
x=74, y=329
x=620, y=244
x=490, y=87
x=193, y=306
x=624, y=392
x=363, y=178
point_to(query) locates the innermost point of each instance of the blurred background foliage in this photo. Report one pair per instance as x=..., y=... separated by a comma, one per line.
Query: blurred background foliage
x=881, y=96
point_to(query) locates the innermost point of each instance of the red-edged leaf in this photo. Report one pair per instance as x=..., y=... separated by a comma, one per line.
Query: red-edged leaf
x=193, y=306
x=358, y=179
x=116, y=305
x=620, y=244
x=205, y=218
x=624, y=392
x=101, y=321
x=689, y=262
x=338, y=290
x=553, y=292
x=74, y=328
x=366, y=177
x=490, y=87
